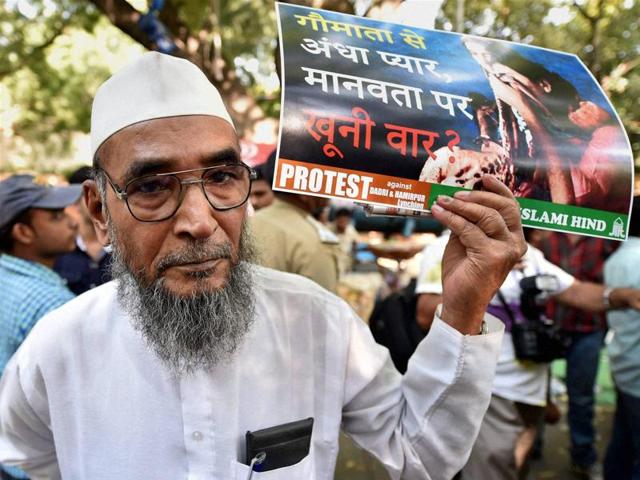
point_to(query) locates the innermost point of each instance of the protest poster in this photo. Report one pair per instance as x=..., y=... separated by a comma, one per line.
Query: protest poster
x=390, y=115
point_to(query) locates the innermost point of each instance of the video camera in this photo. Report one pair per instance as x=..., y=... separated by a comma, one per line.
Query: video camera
x=538, y=339
x=536, y=290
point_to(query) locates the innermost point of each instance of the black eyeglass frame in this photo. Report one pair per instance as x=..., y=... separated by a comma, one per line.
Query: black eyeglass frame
x=121, y=192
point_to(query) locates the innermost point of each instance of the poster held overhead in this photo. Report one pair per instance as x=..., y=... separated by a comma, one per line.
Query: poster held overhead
x=393, y=116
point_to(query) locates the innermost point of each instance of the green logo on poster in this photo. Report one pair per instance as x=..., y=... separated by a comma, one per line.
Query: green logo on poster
x=618, y=228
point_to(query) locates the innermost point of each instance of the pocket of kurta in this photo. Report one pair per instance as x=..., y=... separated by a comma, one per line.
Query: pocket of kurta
x=303, y=470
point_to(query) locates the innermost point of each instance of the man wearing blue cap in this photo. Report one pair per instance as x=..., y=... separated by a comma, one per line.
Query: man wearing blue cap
x=34, y=230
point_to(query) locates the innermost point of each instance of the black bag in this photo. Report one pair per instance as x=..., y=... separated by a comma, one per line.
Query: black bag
x=393, y=324
x=536, y=339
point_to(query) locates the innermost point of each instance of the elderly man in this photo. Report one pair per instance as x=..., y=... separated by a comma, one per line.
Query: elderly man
x=159, y=374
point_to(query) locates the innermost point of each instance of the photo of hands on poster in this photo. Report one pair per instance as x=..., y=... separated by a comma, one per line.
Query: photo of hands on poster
x=391, y=115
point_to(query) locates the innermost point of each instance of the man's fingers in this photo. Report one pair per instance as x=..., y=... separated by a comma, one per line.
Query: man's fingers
x=492, y=184
x=485, y=218
x=469, y=234
x=499, y=197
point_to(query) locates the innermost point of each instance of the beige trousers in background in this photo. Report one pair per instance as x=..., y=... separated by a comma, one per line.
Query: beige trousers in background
x=507, y=434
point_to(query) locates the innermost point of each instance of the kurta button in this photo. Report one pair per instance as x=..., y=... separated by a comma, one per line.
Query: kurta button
x=197, y=436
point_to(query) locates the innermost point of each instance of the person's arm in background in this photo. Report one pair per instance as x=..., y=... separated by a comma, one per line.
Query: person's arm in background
x=429, y=281
x=426, y=309
x=590, y=296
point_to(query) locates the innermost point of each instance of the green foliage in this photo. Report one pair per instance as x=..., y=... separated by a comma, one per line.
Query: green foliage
x=28, y=28
x=53, y=60
x=250, y=32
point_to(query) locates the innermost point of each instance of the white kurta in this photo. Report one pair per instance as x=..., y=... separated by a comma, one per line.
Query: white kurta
x=84, y=398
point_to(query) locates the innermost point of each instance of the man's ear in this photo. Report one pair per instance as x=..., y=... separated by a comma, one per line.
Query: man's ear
x=23, y=234
x=96, y=210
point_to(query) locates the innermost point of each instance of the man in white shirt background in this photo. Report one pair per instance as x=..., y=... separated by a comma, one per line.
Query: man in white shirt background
x=160, y=373
x=622, y=269
x=519, y=391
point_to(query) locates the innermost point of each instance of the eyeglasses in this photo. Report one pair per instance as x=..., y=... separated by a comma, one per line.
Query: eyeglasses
x=154, y=198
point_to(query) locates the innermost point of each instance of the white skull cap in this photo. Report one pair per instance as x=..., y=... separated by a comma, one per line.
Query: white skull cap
x=154, y=86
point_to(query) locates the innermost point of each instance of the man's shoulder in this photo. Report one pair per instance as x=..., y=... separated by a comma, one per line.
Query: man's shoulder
x=538, y=263
x=267, y=223
x=280, y=234
x=297, y=307
x=79, y=316
x=35, y=295
x=278, y=284
x=44, y=291
x=628, y=256
x=281, y=215
x=76, y=335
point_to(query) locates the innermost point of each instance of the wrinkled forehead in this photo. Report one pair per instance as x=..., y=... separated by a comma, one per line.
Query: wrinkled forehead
x=169, y=144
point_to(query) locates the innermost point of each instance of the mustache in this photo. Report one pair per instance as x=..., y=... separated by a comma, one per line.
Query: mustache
x=195, y=253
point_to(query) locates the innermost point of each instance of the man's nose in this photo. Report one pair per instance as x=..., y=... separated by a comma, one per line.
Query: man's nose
x=195, y=217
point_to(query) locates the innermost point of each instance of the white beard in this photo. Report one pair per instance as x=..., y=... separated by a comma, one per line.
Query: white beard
x=191, y=332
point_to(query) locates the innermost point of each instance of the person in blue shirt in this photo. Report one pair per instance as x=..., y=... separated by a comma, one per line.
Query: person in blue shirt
x=622, y=269
x=34, y=231
x=89, y=264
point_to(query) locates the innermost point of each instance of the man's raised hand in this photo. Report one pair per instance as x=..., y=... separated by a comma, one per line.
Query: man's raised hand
x=486, y=242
